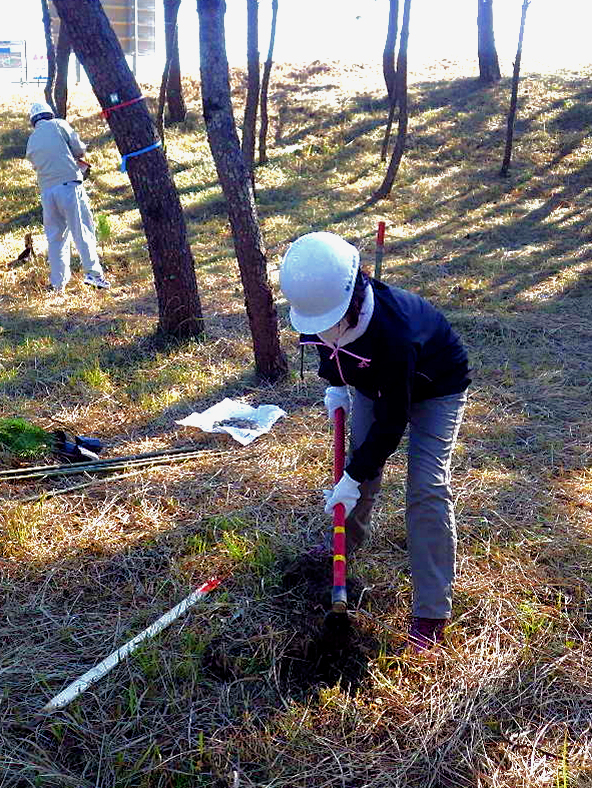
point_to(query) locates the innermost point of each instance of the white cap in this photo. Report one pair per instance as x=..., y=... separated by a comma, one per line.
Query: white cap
x=39, y=108
x=317, y=277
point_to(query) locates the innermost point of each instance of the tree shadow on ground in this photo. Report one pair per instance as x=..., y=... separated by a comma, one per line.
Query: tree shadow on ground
x=48, y=372
x=13, y=143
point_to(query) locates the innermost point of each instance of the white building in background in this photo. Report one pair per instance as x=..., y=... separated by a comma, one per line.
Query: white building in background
x=134, y=22
x=14, y=65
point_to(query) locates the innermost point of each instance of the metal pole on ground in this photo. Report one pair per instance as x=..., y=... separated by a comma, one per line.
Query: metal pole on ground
x=91, y=676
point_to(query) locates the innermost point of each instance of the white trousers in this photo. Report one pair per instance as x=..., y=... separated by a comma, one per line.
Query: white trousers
x=67, y=214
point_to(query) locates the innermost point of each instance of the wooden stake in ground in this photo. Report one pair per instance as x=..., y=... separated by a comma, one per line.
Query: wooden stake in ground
x=514, y=100
x=379, y=250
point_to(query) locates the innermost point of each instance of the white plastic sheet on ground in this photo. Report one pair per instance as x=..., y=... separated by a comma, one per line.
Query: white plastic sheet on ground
x=263, y=418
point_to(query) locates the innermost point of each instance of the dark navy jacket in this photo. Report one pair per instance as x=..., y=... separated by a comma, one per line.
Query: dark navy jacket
x=407, y=354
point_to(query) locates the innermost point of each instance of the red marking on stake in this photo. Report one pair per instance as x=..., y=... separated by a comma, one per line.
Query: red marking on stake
x=380, y=234
x=209, y=585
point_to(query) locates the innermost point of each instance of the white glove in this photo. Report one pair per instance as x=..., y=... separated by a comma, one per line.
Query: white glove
x=336, y=397
x=346, y=491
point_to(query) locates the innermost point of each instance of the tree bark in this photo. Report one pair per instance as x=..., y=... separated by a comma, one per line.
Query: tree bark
x=51, y=60
x=177, y=109
x=514, y=98
x=489, y=70
x=170, y=85
x=265, y=87
x=63, y=50
x=401, y=94
x=270, y=361
x=388, y=55
x=390, y=73
x=98, y=49
x=252, y=102
x=389, y=126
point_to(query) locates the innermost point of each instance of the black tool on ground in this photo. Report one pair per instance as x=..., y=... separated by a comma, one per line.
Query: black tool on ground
x=28, y=251
x=76, y=448
x=336, y=626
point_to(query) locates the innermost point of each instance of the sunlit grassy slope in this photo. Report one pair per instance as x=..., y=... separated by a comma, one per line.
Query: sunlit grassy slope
x=233, y=694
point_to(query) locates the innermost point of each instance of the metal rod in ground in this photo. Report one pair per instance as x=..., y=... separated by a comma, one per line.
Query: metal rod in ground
x=335, y=634
x=379, y=250
x=339, y=593
x=92, y=676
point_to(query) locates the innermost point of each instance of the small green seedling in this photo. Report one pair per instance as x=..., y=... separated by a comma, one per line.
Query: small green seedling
x=103, y=231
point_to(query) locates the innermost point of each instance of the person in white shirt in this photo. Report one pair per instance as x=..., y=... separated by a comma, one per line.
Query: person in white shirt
x=55, y=150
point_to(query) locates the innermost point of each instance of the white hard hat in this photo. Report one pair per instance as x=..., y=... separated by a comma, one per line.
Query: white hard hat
x=40, y=108
x=317, y=277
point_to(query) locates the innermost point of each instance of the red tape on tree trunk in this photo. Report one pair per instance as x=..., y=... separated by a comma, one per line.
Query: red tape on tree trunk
x=106, y=111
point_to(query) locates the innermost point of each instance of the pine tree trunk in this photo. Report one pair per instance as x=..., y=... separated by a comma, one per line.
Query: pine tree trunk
x=177, y=108
x=51, y=60
x=390, y=73
x=401, y=94
x=98, y=49
x=252, y=102
x=63, y=50
x=388, y=55
x=489, y=70
x=514, y=99
x=270, y=361
x=265, y=87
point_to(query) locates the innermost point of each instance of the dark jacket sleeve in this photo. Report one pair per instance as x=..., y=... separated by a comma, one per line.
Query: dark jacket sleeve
x=391, y=411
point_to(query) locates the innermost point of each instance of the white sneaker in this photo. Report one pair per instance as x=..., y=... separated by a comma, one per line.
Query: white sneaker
x=95, y=280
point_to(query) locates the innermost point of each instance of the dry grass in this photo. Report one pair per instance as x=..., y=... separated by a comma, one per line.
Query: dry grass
x=229, y=696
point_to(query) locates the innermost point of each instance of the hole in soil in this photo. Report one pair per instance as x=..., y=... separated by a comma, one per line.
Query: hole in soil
x=323, y=648
x=327, y=648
